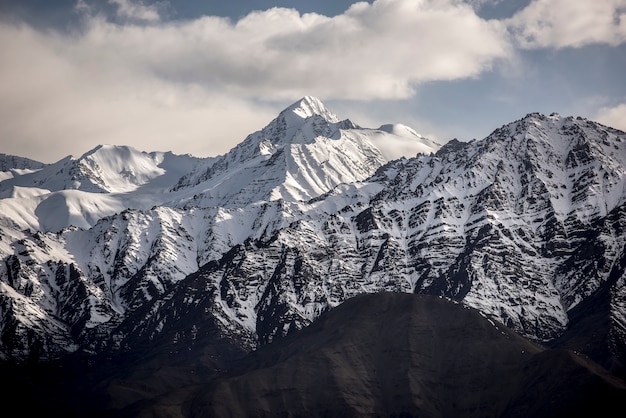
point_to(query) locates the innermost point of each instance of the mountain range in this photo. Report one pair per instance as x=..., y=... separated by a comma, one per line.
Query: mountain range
x=175, y=280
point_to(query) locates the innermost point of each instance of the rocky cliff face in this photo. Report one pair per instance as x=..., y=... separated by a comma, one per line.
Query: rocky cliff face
x=526, y=226
x=523, y=225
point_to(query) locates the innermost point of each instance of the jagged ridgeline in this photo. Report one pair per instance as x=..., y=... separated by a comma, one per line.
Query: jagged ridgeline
x=182, y=260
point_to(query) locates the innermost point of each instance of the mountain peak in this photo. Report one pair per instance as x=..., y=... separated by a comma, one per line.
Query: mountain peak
x=310, y=106
x=14, y=162
x=399, y=129
x=552, y=118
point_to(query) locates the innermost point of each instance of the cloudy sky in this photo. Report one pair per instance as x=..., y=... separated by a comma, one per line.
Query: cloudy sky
x=197, y=76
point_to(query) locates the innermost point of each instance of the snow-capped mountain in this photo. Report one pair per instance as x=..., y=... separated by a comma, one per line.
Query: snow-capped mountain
x=129, y=225
x=303, y=153
x=501, y=224
x=120, y=249
x=78, y=192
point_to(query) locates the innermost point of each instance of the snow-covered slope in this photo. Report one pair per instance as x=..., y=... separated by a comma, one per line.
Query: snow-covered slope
x=79, y=192
x=12, y=165
x=303, y=153
x=403, y=141
x=105, y=169
x=129, y=225
x=525, y=225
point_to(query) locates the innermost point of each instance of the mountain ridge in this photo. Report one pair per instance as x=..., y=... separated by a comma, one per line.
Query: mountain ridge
x=282, y=161
x=525, y=226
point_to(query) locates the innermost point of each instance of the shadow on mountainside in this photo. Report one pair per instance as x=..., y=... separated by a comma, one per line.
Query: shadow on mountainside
x=392, y=354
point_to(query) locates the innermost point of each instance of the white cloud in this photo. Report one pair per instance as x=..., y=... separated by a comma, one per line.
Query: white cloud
x=194, y=86
x=567, y=23
x=614, y=117
x=370, y=52
x=55, y=102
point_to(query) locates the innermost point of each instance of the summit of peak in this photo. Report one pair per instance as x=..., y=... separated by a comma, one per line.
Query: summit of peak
x=399, y=129
x=542, y=117
x=309, y=106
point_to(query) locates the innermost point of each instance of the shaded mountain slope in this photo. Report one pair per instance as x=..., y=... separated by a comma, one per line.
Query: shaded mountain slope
x=409, y=355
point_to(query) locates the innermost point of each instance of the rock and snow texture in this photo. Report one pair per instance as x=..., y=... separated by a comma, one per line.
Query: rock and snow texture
x=524, y=225
x=303, y=153
x=79, y=192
